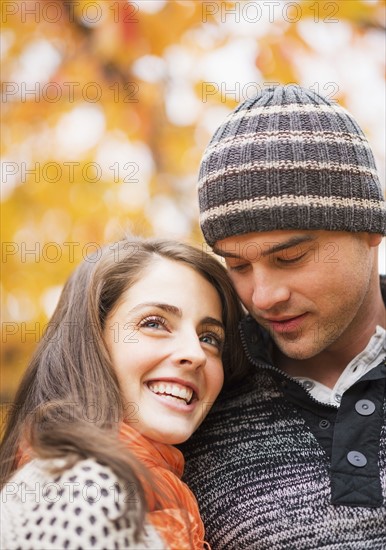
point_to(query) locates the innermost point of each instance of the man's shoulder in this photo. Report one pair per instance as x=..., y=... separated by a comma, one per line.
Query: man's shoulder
x=256, y=401
x=259, y=385
x=383, y=287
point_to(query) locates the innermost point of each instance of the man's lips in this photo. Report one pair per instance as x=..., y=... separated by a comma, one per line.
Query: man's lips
x=285, y=323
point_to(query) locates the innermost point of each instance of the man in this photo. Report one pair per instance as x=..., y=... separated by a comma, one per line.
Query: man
x=295, y=456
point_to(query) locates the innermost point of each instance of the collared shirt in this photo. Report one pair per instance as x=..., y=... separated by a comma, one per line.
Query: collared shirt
x=366, y=360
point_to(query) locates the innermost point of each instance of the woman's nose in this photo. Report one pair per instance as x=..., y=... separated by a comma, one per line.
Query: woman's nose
x=189, y=351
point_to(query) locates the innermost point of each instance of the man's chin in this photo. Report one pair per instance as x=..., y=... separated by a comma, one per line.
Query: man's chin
x=296, y=348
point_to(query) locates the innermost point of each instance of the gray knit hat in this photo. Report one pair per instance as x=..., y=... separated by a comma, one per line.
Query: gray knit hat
x=289, y=159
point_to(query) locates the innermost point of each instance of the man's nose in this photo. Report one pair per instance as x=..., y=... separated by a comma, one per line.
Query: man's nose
x=269, y=290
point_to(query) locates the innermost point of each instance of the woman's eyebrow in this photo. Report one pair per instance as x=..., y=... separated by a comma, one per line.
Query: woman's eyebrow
x=165, y=307
x=176, y=311
x=213, y=321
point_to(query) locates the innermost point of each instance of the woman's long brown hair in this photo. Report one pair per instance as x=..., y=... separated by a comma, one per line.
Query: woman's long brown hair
x=71, y=371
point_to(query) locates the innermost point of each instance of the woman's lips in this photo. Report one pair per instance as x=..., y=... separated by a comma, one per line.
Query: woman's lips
x=173, y=402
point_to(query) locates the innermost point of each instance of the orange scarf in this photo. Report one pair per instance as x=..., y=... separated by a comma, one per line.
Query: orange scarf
x=173, y=509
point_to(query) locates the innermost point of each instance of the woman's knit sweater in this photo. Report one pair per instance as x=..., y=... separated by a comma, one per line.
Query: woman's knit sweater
x=79, y=508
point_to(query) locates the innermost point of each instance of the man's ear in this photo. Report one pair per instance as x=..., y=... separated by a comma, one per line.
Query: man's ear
x=374, y=239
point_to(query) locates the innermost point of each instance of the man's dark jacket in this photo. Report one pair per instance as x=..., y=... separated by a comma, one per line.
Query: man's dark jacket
x=274, y=469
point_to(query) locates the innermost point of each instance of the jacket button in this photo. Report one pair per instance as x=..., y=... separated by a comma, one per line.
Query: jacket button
x=365, y=407
x=357, y=459
x=324, y=424
x=308, y=384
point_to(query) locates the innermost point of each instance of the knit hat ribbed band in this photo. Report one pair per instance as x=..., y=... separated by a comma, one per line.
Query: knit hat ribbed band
x=289, y=159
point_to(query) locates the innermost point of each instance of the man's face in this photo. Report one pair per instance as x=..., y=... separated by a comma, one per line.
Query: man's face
x=310, y=289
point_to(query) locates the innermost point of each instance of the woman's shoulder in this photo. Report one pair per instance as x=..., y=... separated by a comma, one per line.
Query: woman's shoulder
x=44, y=507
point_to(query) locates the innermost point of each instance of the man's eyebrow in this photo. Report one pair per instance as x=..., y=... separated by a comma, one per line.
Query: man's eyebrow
x=287, y=244
x=223, y=253
x=165, y=307
x=277, y=247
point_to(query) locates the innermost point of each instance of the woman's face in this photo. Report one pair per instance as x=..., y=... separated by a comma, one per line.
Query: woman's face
x=165, y=338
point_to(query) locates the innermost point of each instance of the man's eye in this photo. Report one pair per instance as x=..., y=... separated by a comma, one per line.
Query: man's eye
x=289, y=261
x=238, y=268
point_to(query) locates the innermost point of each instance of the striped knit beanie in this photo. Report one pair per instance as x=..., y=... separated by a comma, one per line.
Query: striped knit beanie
x=289, y=159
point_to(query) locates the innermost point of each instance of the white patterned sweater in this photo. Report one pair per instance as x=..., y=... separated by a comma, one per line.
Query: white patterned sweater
x=76, y=509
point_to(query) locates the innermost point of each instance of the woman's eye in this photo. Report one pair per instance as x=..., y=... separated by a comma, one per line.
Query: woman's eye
x=153, y=322
x=212, y=340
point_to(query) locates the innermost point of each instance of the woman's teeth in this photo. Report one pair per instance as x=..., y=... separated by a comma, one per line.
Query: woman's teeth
x=171, y=391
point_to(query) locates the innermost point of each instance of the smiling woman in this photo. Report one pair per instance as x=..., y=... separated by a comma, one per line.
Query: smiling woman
x=134, y=356
x=173, y=317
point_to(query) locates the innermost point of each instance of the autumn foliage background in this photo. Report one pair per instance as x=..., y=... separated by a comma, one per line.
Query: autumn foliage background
x=107, y=107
